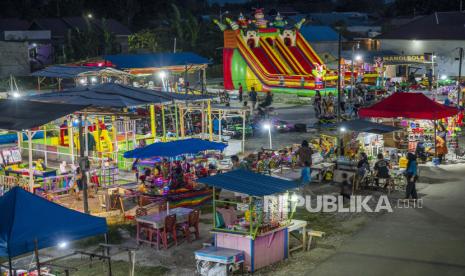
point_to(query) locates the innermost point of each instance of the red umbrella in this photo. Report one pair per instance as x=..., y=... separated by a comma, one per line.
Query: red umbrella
x=408, y=105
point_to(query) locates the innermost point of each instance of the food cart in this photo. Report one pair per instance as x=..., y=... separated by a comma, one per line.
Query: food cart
x=261, y=226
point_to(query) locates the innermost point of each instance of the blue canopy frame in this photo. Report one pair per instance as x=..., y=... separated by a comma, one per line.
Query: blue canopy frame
x=174, y=148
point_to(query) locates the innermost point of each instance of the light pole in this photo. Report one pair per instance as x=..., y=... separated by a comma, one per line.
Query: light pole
x=459, y=85
x=221, y=15
x=267, y=126
x=352, y=79
x=339, y=49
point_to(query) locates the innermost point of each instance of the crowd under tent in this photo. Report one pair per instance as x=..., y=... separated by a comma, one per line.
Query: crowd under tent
x=29, y=222
x=82, y=75
x=173, y=69
x=415, y=106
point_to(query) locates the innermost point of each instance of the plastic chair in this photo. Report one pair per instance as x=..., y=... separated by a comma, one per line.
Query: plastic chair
x=169, y=229
x=192, y=225
x=144, y=228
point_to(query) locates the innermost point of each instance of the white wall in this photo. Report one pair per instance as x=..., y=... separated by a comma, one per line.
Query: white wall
x=445, y=50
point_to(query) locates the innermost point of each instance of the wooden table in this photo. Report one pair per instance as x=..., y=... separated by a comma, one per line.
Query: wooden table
x=157, y=221
x=297, y=225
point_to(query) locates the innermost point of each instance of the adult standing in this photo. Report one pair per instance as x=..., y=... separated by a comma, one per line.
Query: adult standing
x=317, y=103
x=304, y=154
x=253, y=97
x=412, y=175
x=241, y=91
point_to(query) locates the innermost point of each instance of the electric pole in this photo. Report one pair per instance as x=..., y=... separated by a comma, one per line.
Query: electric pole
x=459, y=84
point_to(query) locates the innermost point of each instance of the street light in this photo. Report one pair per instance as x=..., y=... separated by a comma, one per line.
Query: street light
x=267, y=126
x=162, y=74
x=16, y=94
x=221, y=15
x=443, y=77
x=90, y=16
x=358, y=57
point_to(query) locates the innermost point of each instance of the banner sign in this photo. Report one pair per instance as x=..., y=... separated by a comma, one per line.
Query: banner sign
x=407, y=59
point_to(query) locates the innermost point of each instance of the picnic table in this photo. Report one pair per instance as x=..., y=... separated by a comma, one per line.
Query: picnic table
x=157, y=221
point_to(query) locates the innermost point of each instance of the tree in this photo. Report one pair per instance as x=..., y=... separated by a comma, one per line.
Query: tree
x=144, y=40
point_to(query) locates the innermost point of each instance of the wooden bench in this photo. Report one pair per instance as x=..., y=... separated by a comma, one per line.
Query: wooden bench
x=313, y=233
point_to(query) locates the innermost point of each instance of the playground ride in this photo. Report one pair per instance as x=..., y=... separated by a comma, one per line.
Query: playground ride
x=271, y=57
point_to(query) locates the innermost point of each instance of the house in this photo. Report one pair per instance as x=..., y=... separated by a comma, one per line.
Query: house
x=323, y=39
x=440, y=33
x=357, y=23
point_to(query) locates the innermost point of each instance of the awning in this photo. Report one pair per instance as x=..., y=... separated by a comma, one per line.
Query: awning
x=250, y=183
x=65, y=71
x=174, y=148
x=360, y=125
x=21, y=114
x=115, y=95
x=26, y=217
x=408, y=105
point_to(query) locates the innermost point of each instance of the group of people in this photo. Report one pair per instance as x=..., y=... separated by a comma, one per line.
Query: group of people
x=253, y=98
x=381, y=170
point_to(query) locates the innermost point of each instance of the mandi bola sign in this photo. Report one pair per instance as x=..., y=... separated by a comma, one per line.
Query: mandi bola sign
x=406, y=59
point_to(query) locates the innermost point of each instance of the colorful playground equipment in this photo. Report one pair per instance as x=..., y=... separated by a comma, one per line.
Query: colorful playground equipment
x=100, y=135
x=271, y=57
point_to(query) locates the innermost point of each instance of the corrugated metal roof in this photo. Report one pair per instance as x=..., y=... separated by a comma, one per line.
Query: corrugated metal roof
x=439, y=25
x=319, y=33
x=250, y=183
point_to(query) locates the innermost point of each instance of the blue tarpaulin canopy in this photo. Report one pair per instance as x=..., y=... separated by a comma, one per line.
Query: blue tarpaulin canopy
x=156, y=60
x=175, y=148
x=361, y=125
x=114, y=95
x=25, y=217
x=65, y=71
x=250, y=183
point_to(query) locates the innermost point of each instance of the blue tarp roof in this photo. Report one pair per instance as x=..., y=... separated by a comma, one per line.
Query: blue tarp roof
x=155, y=60
x=114, y=95
x=25, y=217
x=319, y=33
x=247, y=182
x=174, y=148
x=64, y=71
x=16, y=114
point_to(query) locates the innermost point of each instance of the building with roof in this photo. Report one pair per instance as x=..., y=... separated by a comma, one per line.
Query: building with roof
x=441, y=33
x=323, y=39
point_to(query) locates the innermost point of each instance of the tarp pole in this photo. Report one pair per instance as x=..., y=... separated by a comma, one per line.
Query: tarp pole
x=163, y=122
x=45, y=145
x=203, y=120
x=20, y=136
x=86, y=138
x=176, y=120
x=31, y=170
x=243, y=131
x=153, y=125
x=115, y=138
x=210, y=124
x=83, y=165
x=38, y=83
x=181, y=121
x=10, y=265
x=36, y=251
x=71, y=138
x=435, y=140
x=219, y=125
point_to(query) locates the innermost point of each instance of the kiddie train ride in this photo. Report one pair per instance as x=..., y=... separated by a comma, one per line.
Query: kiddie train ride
x=271, y=57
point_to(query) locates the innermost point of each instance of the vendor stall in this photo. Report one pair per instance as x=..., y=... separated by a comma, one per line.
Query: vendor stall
x=258, y=224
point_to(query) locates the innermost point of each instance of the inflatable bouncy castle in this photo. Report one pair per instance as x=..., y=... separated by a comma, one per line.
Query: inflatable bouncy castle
x=271, y=56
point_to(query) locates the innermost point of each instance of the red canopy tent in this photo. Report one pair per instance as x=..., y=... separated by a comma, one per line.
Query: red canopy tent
x=408, y=105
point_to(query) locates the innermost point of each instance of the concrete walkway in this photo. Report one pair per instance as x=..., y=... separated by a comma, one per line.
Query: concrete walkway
x=422, y=241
